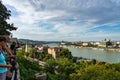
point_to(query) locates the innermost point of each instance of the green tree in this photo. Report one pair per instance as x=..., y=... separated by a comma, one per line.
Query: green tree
x=65, y=66
x=116, y=67
x=5, y=27
x=65, y=53
x=50, y=66
x=95, y=72
x=28, y=68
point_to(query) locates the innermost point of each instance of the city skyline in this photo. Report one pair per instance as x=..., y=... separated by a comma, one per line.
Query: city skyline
x=68, y=20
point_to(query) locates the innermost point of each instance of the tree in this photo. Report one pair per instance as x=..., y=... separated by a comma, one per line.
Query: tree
x=5, y=27
x=65, y=66
x=50, y=66
x=108, y=43
x=65, y=53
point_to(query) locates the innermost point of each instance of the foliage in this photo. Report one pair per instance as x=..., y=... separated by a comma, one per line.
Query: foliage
x=65, y=53
x=27, y=67
x=65, y=68
x=50, y=66
x=5, y=27
x=57, y=77
x=116, y=67
x=47, y=56
x=94, y=72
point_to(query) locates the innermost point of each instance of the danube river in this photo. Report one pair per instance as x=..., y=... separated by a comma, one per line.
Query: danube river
x=91, y=53
x=98, y=54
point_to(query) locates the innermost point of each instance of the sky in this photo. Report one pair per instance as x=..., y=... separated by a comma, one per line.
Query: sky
x=67, y=20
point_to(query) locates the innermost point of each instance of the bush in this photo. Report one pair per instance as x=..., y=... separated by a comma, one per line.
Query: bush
x=27, y=68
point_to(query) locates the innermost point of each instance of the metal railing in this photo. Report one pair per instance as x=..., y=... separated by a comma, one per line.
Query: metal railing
x=16, y=73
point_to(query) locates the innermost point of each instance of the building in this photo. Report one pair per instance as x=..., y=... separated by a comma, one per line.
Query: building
x=84, y=44
x=117, y=44
x=41, y=49
x=54, y=51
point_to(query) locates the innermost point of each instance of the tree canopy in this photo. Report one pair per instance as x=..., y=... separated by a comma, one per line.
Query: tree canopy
x=5, y=27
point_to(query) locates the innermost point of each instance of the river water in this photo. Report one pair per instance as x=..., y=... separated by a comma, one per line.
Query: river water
x=90, y=53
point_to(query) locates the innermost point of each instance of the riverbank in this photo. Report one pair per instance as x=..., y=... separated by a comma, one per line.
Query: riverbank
x=113, y=49
x=111, y=56
x=101, y=49
x=100, y=54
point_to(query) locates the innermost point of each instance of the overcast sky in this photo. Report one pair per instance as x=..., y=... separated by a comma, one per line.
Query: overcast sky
x=69, y=20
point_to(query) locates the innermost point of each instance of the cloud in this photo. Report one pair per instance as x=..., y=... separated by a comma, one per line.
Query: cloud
x=101, y=10
x=64, y=19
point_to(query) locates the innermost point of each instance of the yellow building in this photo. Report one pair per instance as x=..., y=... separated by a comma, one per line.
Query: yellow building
x=54, y=51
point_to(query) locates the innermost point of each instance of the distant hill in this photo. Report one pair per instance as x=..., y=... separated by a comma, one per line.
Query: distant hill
x=24, y=41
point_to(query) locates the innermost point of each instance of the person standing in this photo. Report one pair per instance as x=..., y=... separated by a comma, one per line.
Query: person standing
x=8, y=50
x=13, y=47
x=3, y=65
